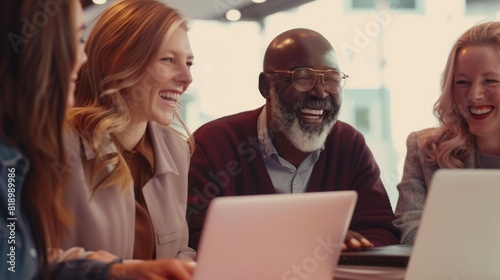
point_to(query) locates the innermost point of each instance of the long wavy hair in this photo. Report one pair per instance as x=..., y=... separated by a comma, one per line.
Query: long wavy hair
x=37, y=59
x=122, y=45
x=453, y=143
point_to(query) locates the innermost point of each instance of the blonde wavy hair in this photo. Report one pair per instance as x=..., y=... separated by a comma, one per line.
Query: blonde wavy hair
x=453, y=143
x=122, y=45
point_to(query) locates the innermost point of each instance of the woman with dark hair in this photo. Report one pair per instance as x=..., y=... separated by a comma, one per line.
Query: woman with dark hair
x=40, y=58
x=41, y=55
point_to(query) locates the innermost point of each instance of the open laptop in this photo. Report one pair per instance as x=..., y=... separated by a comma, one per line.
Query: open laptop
x=458, y=236
x=278, y=236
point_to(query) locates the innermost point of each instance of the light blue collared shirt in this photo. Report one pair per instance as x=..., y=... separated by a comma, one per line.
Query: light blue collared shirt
x=285, y=176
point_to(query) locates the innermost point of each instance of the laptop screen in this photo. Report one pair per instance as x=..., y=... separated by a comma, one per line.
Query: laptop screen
x=278, y=236
x=459, y=230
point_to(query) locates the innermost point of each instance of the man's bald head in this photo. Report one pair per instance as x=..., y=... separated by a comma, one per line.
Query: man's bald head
x=300, y=48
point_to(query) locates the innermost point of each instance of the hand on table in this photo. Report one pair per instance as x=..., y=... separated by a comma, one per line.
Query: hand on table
x=102, y=256
x=171, y=269
x=354, y=240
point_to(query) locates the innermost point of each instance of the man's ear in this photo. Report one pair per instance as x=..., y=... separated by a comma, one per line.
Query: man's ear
x=264, y=85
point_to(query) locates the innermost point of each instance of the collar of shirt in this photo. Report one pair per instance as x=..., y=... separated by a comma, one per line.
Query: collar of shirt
x=286, y=177
x=143, y=147
x=266, y=144
x=159, y=138
x=10, y=156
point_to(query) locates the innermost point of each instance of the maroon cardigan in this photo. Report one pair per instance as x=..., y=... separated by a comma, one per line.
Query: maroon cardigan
x=227, y=161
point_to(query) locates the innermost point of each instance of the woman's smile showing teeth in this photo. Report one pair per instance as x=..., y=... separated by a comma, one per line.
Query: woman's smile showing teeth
x=172, y=97
x=480, y=112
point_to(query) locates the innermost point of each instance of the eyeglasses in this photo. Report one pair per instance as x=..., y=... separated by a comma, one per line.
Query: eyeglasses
x=304, y=79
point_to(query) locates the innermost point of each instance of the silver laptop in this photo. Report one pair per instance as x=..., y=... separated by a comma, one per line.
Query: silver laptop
x=459, y=233
x=278, y=236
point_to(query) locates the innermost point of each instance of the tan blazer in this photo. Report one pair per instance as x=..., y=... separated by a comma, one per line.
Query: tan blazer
x=105, y=219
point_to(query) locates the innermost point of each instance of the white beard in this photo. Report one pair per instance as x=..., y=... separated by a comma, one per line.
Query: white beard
x=304, y=138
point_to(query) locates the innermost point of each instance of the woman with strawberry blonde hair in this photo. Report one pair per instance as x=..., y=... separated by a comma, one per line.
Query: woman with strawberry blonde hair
x=127, y=182
x=468, y=111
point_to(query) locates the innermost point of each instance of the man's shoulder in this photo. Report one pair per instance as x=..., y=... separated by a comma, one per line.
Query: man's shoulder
x=345, y=139
x=230, y=124
x=344, y=130
x=343, y=126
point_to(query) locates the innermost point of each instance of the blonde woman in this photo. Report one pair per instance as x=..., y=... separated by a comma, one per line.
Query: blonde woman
x=469, y=116
x=127, y=170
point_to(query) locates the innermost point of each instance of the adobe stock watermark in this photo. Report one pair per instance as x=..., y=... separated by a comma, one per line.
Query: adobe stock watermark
x=73, y=159
x=153, y=79
x=11, y=221
x=31, y=26
x=229, y=174
x=248, y=150
x=363, y=36
x=324, y=250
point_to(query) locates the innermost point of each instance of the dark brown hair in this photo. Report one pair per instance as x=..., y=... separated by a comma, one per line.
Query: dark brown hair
x=38, y=50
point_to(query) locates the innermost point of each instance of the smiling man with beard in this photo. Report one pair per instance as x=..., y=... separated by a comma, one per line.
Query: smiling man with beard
x=293, y=144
